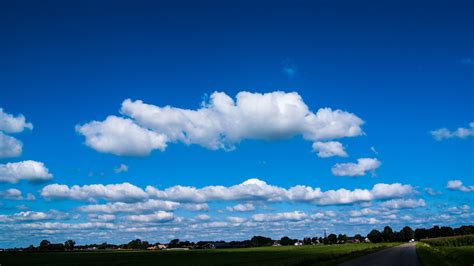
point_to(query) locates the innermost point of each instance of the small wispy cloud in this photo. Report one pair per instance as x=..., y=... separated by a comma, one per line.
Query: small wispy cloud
x=467, y=61
x=122, y=168
x=432, y=192
x=289, y=69
x=462, y=133
x=372, y=148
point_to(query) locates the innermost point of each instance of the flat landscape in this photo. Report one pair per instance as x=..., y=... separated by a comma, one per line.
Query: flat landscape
x=291, y=255
x=181, y=132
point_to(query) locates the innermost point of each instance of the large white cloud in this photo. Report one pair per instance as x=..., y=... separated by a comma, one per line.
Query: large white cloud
x=9, y=146
x=26, y=170
x=13, y=124
x=444, y=133
x=125, y=192
x=252, y=189
x=458, y=185
x=329, y=149
x=360, y=168
x=220, y=123
x=255, y=189
x=121, y=136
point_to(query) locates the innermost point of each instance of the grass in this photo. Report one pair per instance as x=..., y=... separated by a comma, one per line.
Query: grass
x=291, y=255
x=446, y=251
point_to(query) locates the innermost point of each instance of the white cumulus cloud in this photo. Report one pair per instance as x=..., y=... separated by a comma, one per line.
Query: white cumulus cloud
x=220, y=123
x=458, y=185
x=13, y=124
x=403, y=203
x=26, y=170
x=255, y=189
x=125, y=192
x=250, y=190
x=121, y=136
x=360, y=168
x=329, y=149
x=9, y=146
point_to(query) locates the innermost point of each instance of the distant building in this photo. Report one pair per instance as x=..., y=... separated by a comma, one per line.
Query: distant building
x=157, y=247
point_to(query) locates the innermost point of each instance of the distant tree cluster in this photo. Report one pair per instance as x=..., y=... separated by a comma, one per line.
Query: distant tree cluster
x=176, y=243
x=388, y=235
x=260, y=241
x=443, y=231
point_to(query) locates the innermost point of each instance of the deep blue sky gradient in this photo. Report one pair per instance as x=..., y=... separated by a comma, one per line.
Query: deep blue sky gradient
x=399, y=65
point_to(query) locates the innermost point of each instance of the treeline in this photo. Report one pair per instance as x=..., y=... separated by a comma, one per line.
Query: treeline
x=406, y=234
x=374, y=236
x=69, y=245
x=443, y=231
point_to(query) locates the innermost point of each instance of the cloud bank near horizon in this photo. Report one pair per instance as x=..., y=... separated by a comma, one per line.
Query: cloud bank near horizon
x=250, y=190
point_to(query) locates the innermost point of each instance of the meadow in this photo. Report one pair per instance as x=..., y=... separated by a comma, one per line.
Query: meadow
x=287, y=255
x=456, y=250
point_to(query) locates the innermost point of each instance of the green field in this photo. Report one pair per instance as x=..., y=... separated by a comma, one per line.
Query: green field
x=447, y=251
x=291, y=255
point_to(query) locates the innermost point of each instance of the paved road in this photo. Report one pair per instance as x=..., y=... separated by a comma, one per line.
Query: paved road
x=401, y=255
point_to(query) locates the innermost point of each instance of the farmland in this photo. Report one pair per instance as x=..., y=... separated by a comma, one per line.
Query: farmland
x=456, y=250
x=289, y=255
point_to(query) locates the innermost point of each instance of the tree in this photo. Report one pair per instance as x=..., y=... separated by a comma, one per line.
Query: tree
x=375, y=236
x=332, y=239
x=387, y=234
x=102, y=246
x=44, y=245
x=359, y=237
x=341, y=238
x=137, y=244
x=173, y=243
x=446, y=231
x=260, y=241
x=434, y=232
x=421, y=233
x=406, y=234
x=69, y=244
x=286, y=241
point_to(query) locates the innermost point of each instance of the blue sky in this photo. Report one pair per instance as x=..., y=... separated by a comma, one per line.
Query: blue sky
x=404, y=68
